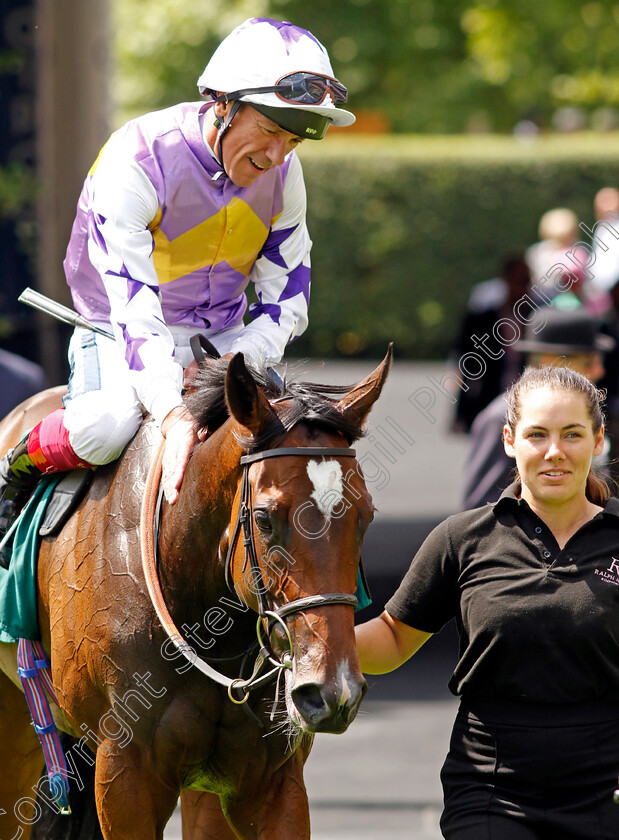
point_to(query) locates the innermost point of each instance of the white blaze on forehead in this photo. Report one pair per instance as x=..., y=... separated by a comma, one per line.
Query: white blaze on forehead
x=326, y=476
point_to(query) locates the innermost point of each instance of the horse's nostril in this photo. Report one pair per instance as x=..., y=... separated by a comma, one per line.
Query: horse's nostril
x=309, y=701
x=324, y=710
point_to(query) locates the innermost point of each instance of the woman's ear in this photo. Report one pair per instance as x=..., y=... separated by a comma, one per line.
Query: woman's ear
x=508, y=441
x=598, y=446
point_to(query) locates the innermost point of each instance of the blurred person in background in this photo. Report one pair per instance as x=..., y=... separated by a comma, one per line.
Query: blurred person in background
x=605, y=242
x=561, y=263
x=489, y=301
x=610, y=383
x=558, y=232
x=554, y=337
x=19, y=379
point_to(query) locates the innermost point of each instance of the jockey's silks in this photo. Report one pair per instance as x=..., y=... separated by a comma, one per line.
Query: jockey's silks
x=163, y=237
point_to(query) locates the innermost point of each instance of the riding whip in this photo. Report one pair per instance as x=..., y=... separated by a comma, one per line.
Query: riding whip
x=58, y=311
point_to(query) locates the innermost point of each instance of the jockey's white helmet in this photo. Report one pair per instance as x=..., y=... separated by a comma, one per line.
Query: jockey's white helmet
x=283, y=71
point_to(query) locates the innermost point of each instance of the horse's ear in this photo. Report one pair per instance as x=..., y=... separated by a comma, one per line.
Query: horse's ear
x=246, y=402
x=356, y=405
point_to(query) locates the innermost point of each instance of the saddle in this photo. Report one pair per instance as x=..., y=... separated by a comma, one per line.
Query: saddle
x=67, y=495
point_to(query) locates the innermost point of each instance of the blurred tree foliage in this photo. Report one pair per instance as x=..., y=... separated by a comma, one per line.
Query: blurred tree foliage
x=18, y=190
x=162, y=46
x=426, y=65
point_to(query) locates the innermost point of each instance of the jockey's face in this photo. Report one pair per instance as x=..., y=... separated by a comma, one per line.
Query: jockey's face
x=252, y=144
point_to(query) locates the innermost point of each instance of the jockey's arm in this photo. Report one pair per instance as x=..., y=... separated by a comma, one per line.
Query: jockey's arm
x=281, y=278
x=384, y=643
x=120, y=248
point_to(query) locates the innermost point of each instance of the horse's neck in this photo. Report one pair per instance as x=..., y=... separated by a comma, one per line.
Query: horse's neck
x=192, y=529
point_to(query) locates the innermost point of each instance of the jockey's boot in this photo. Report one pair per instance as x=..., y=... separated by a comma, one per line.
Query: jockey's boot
x=18, y=478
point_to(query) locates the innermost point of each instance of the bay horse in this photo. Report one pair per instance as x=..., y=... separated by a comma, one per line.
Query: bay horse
x=257, y=564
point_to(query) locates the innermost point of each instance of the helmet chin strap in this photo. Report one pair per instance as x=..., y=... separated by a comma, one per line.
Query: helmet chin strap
x=222, y=127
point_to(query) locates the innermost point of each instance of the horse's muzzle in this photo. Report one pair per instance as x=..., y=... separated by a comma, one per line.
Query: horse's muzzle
x=322, y=709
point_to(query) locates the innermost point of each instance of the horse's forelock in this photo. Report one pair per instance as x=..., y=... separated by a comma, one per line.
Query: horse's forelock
x=309, y=403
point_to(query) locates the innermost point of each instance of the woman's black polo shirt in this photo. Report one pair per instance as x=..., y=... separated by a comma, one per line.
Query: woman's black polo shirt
x=535, y=622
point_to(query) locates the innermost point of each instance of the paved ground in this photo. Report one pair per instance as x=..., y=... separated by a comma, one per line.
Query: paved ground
x=380, y=781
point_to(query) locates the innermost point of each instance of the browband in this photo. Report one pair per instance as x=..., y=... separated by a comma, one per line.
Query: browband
x=310, y=451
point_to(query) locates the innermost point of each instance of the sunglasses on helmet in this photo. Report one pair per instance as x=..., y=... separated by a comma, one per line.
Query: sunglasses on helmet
x=300, y=88
x=310, y=88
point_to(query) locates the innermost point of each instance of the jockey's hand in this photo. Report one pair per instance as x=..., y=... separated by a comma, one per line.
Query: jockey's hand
x=181, y=434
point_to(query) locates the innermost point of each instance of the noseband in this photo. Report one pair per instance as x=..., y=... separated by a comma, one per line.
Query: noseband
x=267, y=615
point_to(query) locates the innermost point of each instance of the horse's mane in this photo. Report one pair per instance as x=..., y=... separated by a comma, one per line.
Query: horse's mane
x=310, y=403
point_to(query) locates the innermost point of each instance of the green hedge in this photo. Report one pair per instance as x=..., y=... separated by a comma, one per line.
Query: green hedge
x=404, y=226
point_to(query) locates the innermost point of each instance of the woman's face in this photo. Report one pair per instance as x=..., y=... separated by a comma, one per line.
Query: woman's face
x=553, y=445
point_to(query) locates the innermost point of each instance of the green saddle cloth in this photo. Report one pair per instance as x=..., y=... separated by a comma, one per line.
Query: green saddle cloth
x=18, y=583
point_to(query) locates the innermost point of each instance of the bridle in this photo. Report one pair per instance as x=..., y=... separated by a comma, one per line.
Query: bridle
x=244, y=523
x=268, y=616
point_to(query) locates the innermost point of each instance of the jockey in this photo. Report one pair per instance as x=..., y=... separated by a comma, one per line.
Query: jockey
x=182, y=208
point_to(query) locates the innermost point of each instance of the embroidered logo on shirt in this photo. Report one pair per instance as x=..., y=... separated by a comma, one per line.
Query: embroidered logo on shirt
x=611, y=574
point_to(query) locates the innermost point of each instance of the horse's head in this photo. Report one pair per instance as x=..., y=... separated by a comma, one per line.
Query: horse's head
x=300, y=515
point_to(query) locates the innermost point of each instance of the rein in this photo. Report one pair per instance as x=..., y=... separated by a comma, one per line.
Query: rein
x=244, y=524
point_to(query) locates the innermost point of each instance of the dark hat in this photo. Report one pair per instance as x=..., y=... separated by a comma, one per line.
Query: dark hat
x=564, y=332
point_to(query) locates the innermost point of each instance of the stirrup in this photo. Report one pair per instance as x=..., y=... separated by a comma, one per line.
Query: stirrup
x=14, y=496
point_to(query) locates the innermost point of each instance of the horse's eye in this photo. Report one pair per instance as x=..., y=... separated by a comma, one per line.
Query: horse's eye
x=263, y=520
